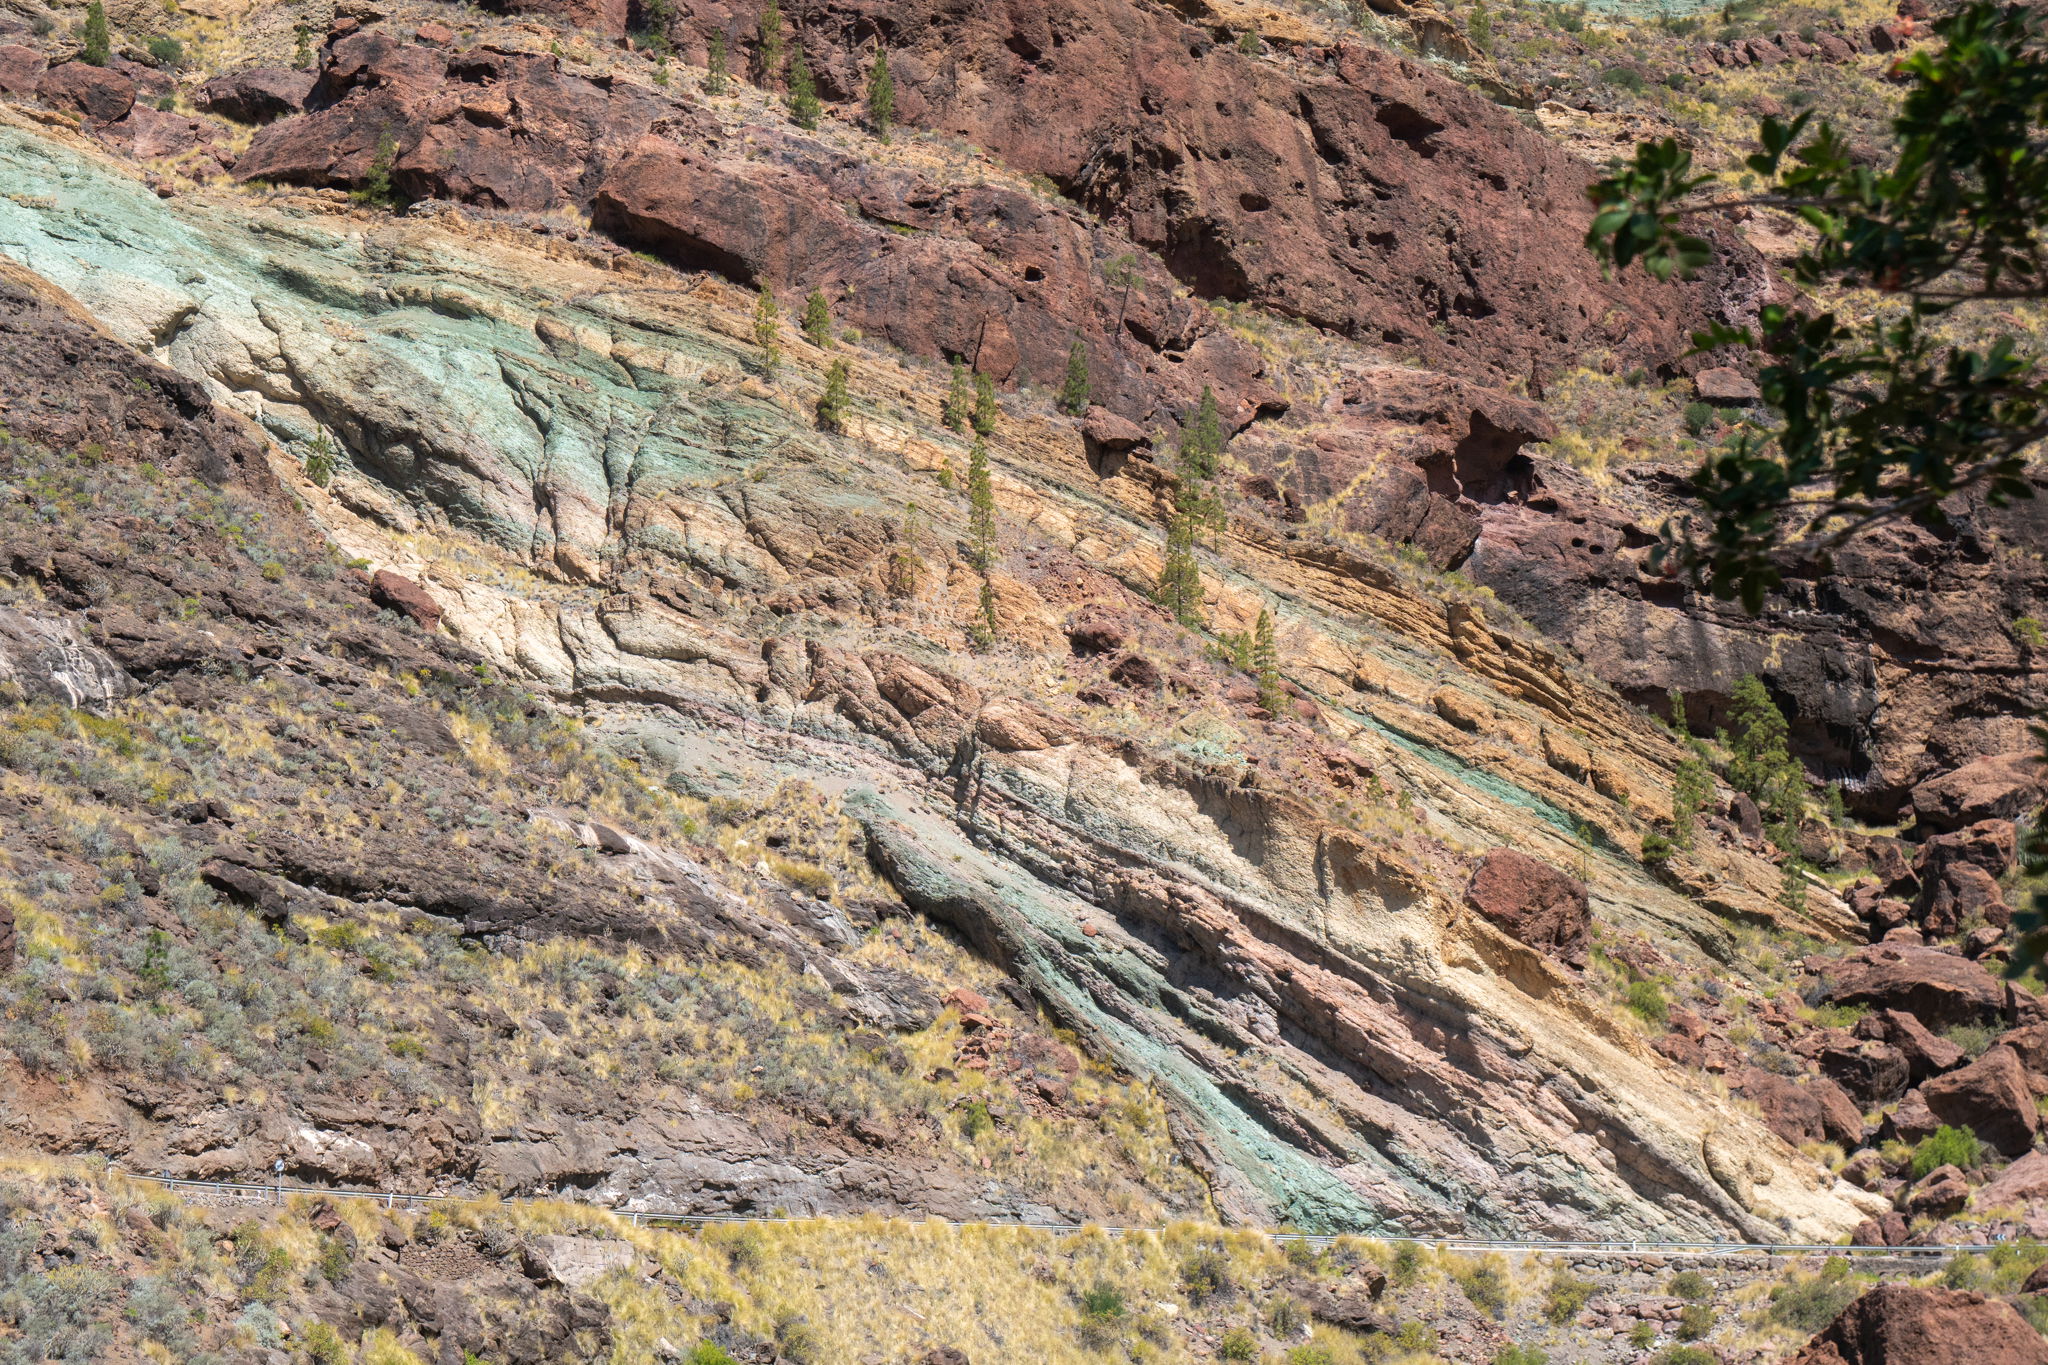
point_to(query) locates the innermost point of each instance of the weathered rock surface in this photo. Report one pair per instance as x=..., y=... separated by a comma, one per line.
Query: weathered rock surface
x=93, y=91
x=1990, y=1095
x=257, y=95
x=1939, y=989
x=1536, y=904
x=1903, y=1324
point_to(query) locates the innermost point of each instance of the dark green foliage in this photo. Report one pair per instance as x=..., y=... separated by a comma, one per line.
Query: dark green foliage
x=804, y=107
x=1485, y=1286
x=1520, y=1355
x=981, y=510
x=1479, y=27
x=817, y=322
x=881, y=96
x=708, y=1354
x=1206, y=1275
x=1074, y=392
x=1947, y=1146
x=378, y=187
x=1237, y=1344
x=1266, y=664
x=958, y=409
x=302, y=47
x=769, y=47
x=985, y=412
x=1698, y=417
x=1645, y=1000
x=1566, y=1297
x=1695, y=1320
x=1626, y=77
x=766, y=331
x=99, y=43
x=832, y=403
x=1407, y=1265
x=715, y=61
x=661, y=72
x=660, y=16
x=1692, y=787
x=1690, y=1285
x=1761, y=762
x=1656, y=848
x=1180, y=576
x=1811, y=1303
x=166, y=51
x=1102, y=1301
x=1688, y=1355
x=1879, y=417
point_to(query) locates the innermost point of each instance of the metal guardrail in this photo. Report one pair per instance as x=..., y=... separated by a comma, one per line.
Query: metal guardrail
x=390, y=1199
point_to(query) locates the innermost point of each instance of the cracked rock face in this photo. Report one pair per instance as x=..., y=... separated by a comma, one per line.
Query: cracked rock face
x=702, y=573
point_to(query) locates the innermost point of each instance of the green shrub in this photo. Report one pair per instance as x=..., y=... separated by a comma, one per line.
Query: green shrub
x=2012, y=1262
x=1205, y=1275
x=1641, y=1335
x=1407, y=1266
x=1695, y=1320
x=1698, y=417
x=1965, y=1270
x=2028, y=632
x=1566, y=1298
x=1285, y=1317
x=1485, y=1286
x=1645, y=999
x=1656, y=848
x=1310, y=1355
x=975, y=1120
x=324, y=1345
x=2034, y=1308
x=708, y=1354
x=1520, y=1355
x=1689, y=1285
x=1688, y=1355
x=1811, y=1302
x=1624, y=77
x=1237, y=1344
x=1947, y=1146
x=165, y=50
x=1102, y=1301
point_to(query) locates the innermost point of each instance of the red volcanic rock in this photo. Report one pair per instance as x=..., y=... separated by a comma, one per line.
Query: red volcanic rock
x=6, y=937
x=1940, y=989
x=508, y=130
x=93, y=91
x=1909, y=1121
x=148, y=133
x=1926, y=1054
x=1098, y=629
x=1871, y=1071
x=20, y=69
x=1903, y=1324
x=1940, y=1194
x=1110, y=439
x=603, y=16
x=1533, y=902
x=1725, y=388
x=2000, y=786
x=396, y=592
x=1818, y=1111
x=2023, y=1182
x=1355, y=188
x=992, y=275
x=1990, y=1095
x=258, y=95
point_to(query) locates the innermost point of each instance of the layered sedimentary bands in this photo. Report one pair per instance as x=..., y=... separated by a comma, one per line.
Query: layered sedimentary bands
x=1341, y=934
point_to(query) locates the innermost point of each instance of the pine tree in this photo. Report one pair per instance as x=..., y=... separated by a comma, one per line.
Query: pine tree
x=984, y=632
x=818, y=319
x=803, y=91
x=765, y=313
x=981, y=510
x=714, y=65
x=1762, y=764
x=1266, y=663
x=1074, y=393
x=378, y=187
x=302, y=48
x=881, y=96
x=985, y=409
x=99, y=43
x=832, y=403
x=661, y=76
x=1691, y=788
x=771, y=42
x=1202, y=443
x=958, y=409
x=1180, y=577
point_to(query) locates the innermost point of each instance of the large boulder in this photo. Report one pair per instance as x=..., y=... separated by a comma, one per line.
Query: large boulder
x=1872, y=1071
x=1990, y=1095
x=1926, y=1053
x=1940, y=989
x=2024, y=1182
x=1532, y=902
x=395, y=592
x=1941, y=1193
x=1817, y=1111
x=94, y=91
x=1997, y=787
x=576, y=1262
x=44, y=658
x=259, y=95
x=1903, y=1324
x=20, y=69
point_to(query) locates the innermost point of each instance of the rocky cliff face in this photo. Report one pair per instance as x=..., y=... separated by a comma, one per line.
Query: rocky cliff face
x=1357, y=928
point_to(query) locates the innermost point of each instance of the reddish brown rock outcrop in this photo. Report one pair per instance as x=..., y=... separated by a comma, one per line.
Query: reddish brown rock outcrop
x=20, y=69
x=93, y=91
x=1990, y=1095
x=396, y=592
x=1533, y=902
x=1940, y=989
x=1996, y=787
x=258, y=95
x=1356, y=189
x=1817, y=1111
x=1903, y=1324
